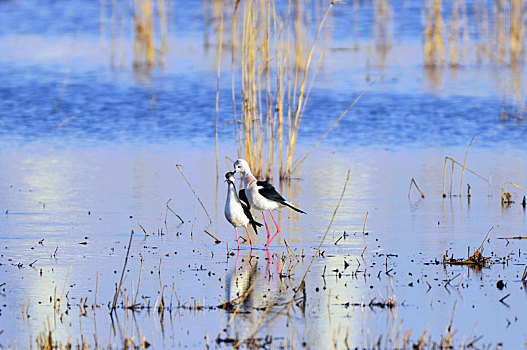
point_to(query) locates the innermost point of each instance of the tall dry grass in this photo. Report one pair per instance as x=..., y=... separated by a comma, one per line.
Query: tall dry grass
x=274, y=50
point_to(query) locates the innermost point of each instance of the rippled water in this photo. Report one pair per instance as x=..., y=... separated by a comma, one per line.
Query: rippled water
x=88, y=153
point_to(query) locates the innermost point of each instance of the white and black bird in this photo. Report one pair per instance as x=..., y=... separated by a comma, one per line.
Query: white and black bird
x=261, y=195
x=237, y=209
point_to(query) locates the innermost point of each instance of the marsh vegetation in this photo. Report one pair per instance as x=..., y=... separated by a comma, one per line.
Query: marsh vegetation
x=118, y=121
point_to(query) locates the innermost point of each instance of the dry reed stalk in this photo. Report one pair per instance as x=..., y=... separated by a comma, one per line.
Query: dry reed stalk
x=218, y=74
x=484, y=239
x=291, y=171
x=234, y=23
x=173, y=212
x=144, y=51
x=383, y=28
x=299, y=105
x=96, y=289
x=290, y=304
x=256, y=326
x=142, y=228
x=192, y=189
x=263, y=109
x=245, y=295
x=162, y=15
x=500, y=38
x=413, y=182
x=118, y=291
x=513, y=184
x=281, y=54
x=138, y=281
x=434, y=50
x=64, y=288
x=290, y=250
x=464, y=164
x=455, y=162
x=517, y=32
x=453, y=35
x=485, y=27
x=446, y=340
x=216, y=240
x=301, y=285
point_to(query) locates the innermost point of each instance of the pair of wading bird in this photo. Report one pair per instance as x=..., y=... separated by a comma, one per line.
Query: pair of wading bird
x=260, y=195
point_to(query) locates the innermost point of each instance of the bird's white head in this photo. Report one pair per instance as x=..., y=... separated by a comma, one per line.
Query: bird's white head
x=241, y=165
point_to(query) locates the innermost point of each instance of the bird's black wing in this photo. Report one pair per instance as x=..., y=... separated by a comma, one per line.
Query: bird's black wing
x=243, y=198
x=247, y=210
x=270, y=193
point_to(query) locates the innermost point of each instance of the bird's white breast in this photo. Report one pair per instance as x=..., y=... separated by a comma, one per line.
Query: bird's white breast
x=234, y=212
x=257, y=201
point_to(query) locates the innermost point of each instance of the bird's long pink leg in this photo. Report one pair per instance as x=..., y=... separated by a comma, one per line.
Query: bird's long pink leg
x=267, y=228
x=237, y=237
x=249, y=236
x=277, y=230
x=237, y=259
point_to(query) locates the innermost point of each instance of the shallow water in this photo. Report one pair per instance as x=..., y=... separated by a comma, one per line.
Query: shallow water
x=88, y=154
x=71, y=199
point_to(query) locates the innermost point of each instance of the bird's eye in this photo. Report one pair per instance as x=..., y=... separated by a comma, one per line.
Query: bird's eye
x=239, y=166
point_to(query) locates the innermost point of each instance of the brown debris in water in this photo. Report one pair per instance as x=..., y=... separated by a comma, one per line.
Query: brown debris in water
x=475, y=260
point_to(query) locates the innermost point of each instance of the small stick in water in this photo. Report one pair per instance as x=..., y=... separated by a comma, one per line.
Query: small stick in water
x=168, y=208
x=195, y=194
x=122, y=272
x=217, y=241
x=142, y=228
x=415, y=183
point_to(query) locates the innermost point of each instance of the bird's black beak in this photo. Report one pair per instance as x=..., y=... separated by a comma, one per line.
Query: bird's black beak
x=228, y=175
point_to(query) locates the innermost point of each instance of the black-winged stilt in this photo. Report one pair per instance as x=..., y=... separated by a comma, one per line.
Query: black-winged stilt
x=262, y=196
x=237, y=212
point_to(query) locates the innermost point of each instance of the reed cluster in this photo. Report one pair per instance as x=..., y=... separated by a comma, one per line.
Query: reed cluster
x=272, y=54
x=434, y=48
x=149, y=31
x=500, y=32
